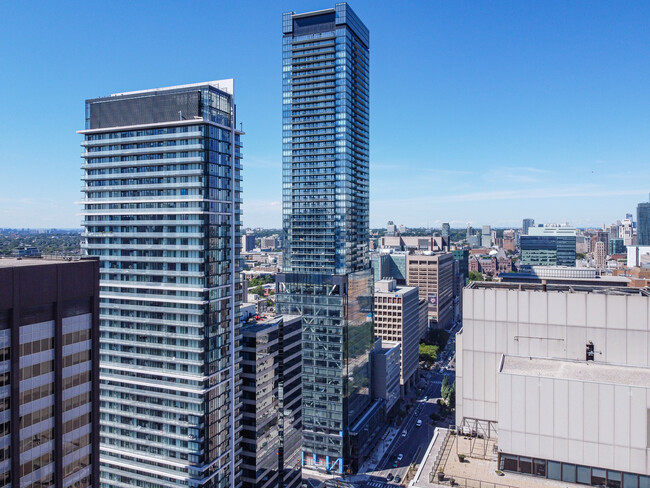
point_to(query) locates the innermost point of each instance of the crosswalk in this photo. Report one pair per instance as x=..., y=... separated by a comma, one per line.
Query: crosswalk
x=375, y=484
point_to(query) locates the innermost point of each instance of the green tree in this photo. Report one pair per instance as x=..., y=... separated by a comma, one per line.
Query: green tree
x=475, y=276
x=428, y=353
x=258, y=290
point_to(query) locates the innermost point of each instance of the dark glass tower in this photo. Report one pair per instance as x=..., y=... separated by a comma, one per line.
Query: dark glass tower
x=643, y=224
x=326, y=276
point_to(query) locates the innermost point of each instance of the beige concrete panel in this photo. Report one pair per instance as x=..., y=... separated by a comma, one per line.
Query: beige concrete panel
x=501, y=301
x=560, y=448
x=478, y=390
x=638, y=417
x=479, y=304
x=590, y=419
x=501, y=344
x=576, y=452
x=513, y=306
x=523, y=342
x=637, y=348
x=622, y=416
x=557, y=348
x=557, y=311
x=513, y=346
x=505, y=402
x=638, y=462
x=590, y=452
x=637, y=313
x=606, y=414
x=468, y=334
x=616, y=312
x=489, y=336
x=468, y=304
x=546, y=447
x=538, y=311
x=599, y=338
x=479, y=337
x=560, y=408
x=518, y=441
x=546, y=411
x=491, y=367
x=605, y=455
x=532, y=404
x=523, y=300
x=490, y=304
x=576, y=408
x=596, y=310
x=531, y=444
x=518, y=412
x=622, y=458
x=576, y=309
x=617, y=346
x=576, y=343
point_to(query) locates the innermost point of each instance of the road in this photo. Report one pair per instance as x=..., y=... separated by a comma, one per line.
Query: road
x=417, y=439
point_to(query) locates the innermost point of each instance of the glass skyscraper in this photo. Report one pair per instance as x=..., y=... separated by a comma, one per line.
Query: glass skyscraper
x=326, y=272
x=162, y=212
x=643, y=224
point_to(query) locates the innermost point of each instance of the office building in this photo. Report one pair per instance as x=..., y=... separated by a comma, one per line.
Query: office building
x=269, y=242
x=49, y=372
x=386, y=373
x=462, y=256
x=549, y=246
x=248, y=242
x=600, y=254
x=272, y=404
x=162, y=212
x=446, y=230
x=433, y=275
x=563, y=373
x=627, y=232
x=389, y=265
x=469, y=232
x=397, y=316
x=643, y=224
x=486, y=236
x=326, y=274
x=527, y=224
x=616, y=246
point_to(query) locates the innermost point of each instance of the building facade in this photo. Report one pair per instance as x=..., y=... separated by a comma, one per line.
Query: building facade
x=549, y=246
x=326, y=268
x=272, y=404
x=49, y=372
x=563, y=373
x=386, y=373
x=527, y=224
x=162, y=213
x=486, y=236
x=396, y=314
x=643, y=224
x=433, y=275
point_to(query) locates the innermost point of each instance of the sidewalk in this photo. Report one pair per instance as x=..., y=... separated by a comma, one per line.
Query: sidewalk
x=378, y=453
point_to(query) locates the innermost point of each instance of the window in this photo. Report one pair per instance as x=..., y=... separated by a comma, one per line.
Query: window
x=583, y=475
x=539, y=467
x=508, y=463
x=555, y=470
x=525, y=465
x=569, y=472
x=613, y=479
x=598, y=477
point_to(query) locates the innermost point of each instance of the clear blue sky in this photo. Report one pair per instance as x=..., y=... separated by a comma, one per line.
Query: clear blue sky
x=482, y=112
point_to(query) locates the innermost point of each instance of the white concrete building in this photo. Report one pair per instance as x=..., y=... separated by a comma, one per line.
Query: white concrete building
x=522, y=372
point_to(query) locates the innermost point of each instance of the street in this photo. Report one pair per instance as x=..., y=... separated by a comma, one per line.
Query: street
x=389, y=470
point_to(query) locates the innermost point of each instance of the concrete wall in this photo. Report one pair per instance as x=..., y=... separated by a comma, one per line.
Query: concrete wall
x=602, y=425
x=541, y=324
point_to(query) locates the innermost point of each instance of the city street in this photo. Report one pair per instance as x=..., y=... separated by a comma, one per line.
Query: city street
x=413, y=446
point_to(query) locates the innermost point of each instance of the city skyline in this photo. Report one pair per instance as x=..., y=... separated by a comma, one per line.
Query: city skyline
x=541, y=105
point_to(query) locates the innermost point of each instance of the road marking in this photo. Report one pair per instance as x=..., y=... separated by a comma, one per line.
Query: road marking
x=375, y=484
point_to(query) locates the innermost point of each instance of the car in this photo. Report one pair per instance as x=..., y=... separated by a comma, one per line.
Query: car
x=398, y=479
x=396, y=463
x=418, y=423
x=426, y=398
x=389, y=477
x=400, y=457
x=404, y=433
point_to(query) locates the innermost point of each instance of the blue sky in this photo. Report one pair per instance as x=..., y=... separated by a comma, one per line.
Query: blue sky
x=481, y=112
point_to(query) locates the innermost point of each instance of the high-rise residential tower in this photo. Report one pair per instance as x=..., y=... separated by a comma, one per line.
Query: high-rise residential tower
x=162, y=212
x=527, y=224
x=643, y=224
x=326, y=270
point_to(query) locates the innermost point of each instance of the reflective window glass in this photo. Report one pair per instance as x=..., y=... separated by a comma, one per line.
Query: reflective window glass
x=569, y=472
x=584, y=475
x=554, y=470
x=630, y=480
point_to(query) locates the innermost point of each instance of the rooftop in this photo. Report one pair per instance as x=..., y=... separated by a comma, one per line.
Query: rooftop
x=226, y=85
x=588, y=371
x=573, y=285
x=24, y=262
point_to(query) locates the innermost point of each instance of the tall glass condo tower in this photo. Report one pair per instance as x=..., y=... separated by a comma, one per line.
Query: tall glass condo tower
x=326, y=272
x=162, y=212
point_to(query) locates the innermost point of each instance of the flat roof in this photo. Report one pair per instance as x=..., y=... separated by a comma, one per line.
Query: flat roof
x=588, y=371
x=24, y=262
x=572, y=285
x=226, y=85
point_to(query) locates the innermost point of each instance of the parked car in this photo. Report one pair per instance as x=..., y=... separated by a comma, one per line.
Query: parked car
x=389, y=477
x=404, y=433
x=418, y=423
x=400, y=457
x=397, y=479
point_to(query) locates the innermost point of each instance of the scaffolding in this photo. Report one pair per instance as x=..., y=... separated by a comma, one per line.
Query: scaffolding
x=479, y=432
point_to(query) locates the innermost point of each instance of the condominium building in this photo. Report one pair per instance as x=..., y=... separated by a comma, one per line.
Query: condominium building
x=643, y=224
x=561, y=375
x=272, y=404
x=527, y=224
x=162, y=212
x=49, y=371
x=433, y=275
x=397, y=316
x=326, y=268
x=486, y=236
